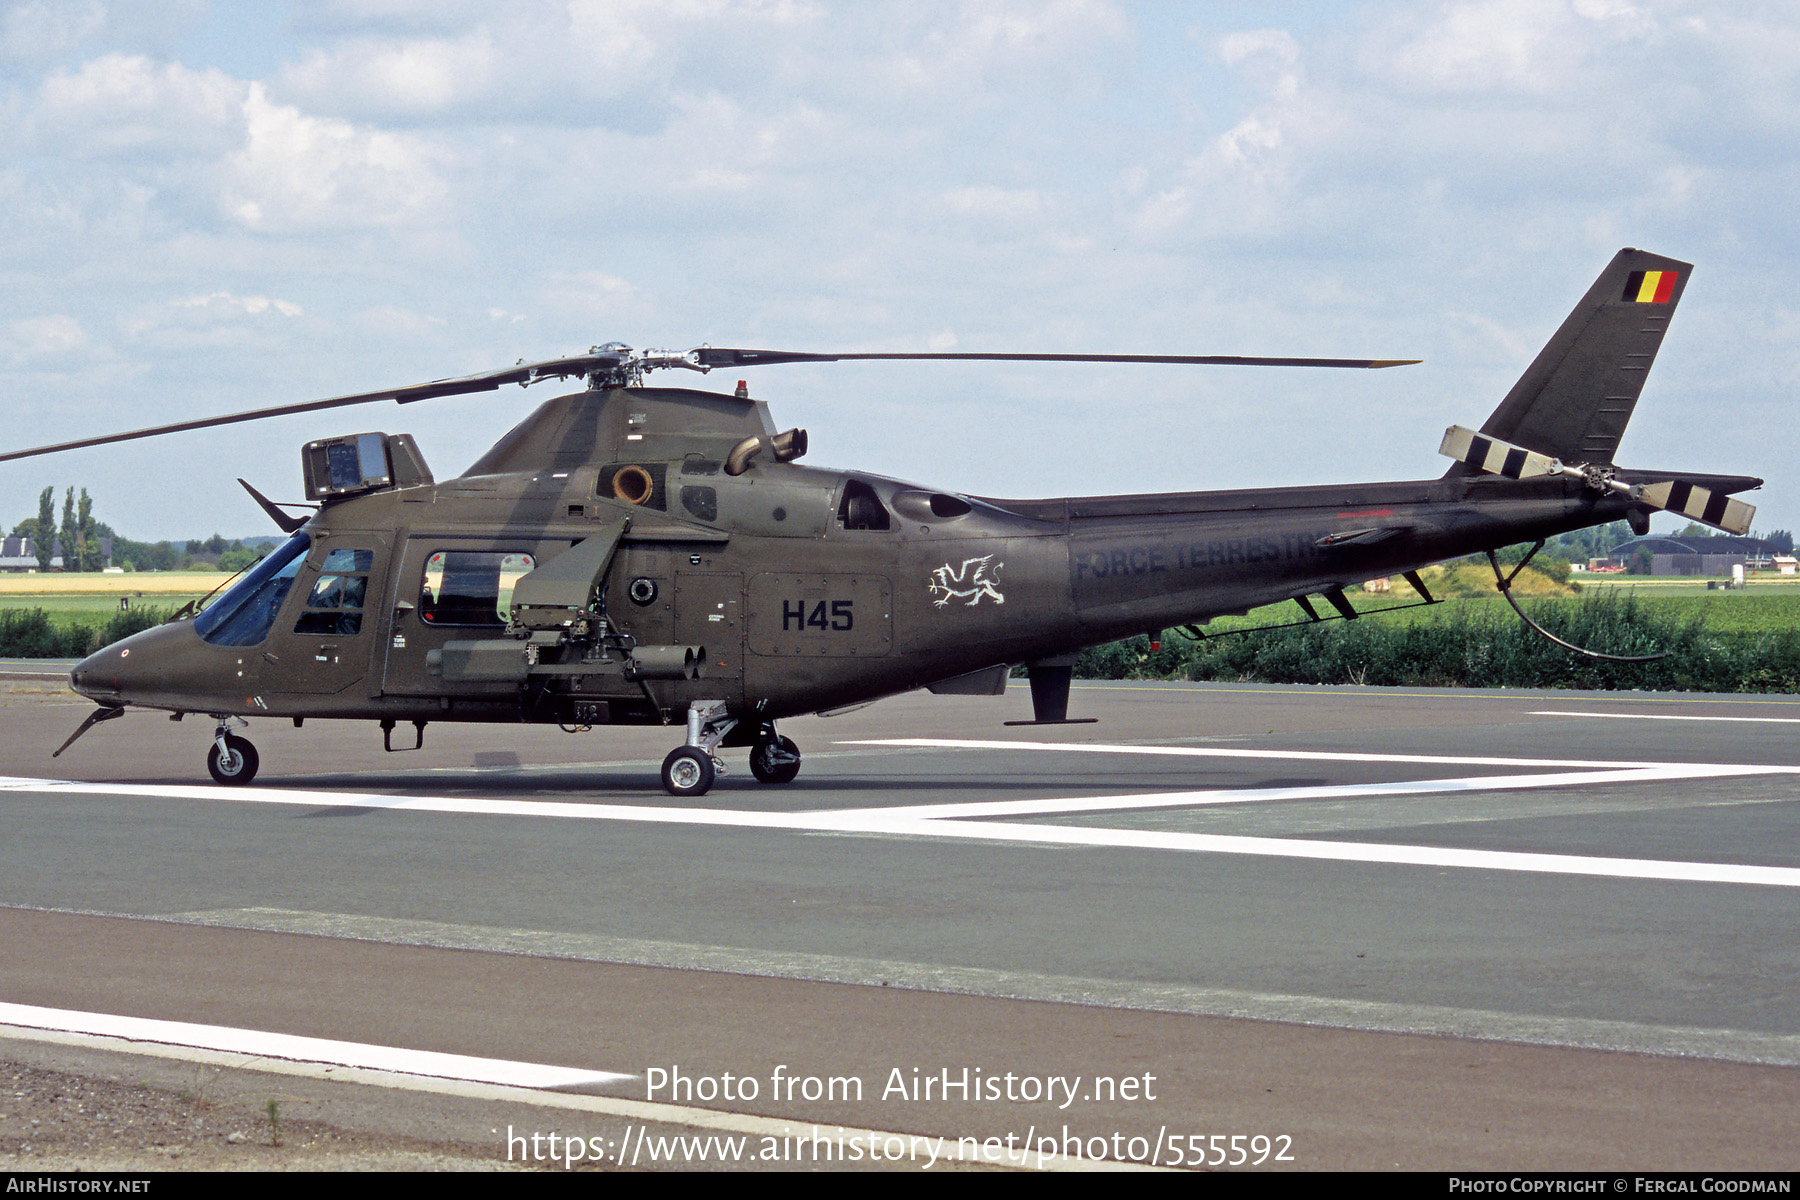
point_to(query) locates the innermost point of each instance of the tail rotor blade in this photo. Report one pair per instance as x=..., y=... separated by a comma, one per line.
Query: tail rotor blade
x=1497, y=457
x=1702, y=504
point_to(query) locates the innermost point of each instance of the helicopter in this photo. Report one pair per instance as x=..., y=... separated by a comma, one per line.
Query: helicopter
x=631, y=554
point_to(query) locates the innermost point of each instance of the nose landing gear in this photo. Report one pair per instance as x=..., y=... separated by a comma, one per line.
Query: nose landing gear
x=690, y=769
x=232, y=760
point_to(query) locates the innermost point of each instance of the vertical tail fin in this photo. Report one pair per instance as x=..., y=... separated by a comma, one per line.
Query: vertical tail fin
x=1572, y=403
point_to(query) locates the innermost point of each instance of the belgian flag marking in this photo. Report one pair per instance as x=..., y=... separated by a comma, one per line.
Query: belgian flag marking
x=1650, y=287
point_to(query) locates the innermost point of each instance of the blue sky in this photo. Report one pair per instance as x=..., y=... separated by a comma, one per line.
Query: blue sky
x=219, y=207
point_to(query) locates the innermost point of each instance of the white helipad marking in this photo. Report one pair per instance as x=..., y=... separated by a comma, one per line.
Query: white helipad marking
x=1664, y=717
x=305, y=1049
x=1369, y=852
x=1226, y=752
x=957, y=820
x=1219, y=796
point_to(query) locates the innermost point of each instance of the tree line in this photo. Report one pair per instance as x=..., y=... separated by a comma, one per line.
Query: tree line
x=82, y=538
x=79, y=535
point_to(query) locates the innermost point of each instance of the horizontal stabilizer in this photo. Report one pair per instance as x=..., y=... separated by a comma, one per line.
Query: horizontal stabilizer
x=1702, y=504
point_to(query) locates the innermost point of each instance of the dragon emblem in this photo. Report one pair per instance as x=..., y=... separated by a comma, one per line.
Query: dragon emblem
x=969, y=582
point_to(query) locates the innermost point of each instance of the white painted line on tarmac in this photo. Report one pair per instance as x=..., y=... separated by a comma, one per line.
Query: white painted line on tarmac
x=1664, y=717
x=952, y=821
x=293, y=1047
x=1344, y=791
x=1365, y=852
x=1461, y=760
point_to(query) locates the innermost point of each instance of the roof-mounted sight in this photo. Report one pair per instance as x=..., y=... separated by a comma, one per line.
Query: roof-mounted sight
x=361, y=462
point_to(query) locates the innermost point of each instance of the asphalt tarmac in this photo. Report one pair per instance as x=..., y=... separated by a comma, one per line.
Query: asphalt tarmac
x=1353, y=928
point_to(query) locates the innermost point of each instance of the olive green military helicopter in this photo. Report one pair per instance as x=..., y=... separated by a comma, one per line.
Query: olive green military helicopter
x=632, y=554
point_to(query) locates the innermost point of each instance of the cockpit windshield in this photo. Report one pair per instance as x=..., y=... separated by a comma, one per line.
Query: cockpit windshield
x=245, y=613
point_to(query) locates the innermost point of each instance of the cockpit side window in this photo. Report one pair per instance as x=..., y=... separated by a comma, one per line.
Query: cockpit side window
x=336, y=602
x=244, y=615
x=861, y=508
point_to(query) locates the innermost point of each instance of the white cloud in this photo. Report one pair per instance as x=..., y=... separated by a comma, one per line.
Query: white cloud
x=1520, y=46
x=214, y=315
x=46, y=336
x=394, y=322
x=987, y=202
x=1272, y=52
x=226, y=302
x=298, y=172
x=41, y=29
x=397, y=77
x=128, y=104
x=592, y=296
x=434, y=189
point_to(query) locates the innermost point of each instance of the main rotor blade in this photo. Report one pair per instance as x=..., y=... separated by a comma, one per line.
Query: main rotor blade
x=723, y=356
x=619, y=363
x=487, y=381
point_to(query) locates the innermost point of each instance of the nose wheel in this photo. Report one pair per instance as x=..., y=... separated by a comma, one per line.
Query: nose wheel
x=232, y=760
x=688, y=771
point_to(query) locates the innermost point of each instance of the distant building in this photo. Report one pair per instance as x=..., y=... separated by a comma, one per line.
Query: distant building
x=1694, y=555
x=20, y=554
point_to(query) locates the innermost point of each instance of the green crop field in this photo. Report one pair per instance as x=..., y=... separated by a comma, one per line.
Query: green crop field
x=96, y=608
x=1720, y=612
x=65, y=616
x=1721, y=641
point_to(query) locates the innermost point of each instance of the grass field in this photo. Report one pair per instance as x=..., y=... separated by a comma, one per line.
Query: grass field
x=1756, y=609
x=92, y=607
x=80, y=608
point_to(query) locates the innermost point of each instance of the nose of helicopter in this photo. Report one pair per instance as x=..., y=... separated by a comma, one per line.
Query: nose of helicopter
x=133, y=670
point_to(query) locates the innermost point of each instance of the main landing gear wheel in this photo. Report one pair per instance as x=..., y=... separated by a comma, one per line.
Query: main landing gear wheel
x=775, y=760
x=688, y=771
x=236, y=766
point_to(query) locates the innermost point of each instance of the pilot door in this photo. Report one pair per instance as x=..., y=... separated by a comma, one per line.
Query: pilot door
x=330, y=623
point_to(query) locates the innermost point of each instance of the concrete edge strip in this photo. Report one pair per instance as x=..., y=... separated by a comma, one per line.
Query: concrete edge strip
x=1724, y=1045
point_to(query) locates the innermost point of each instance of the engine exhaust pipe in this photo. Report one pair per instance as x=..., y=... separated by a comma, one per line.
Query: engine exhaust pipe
x=783, y=447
